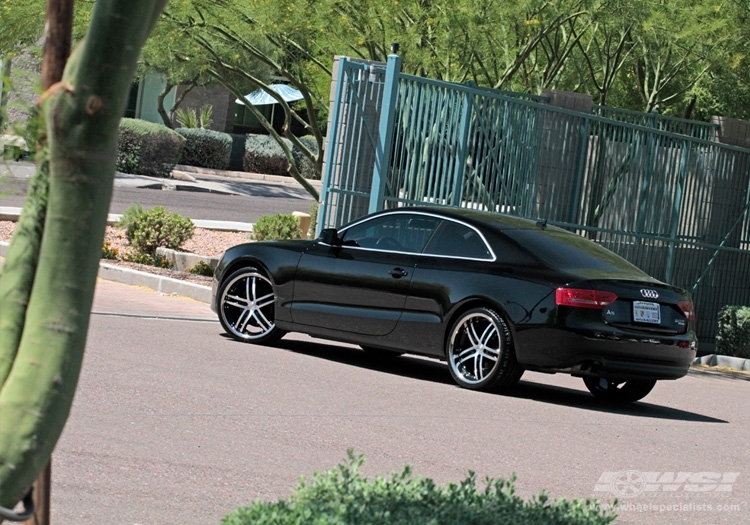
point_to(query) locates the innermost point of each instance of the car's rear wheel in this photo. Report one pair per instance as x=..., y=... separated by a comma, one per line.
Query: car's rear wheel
x=247, y=304
x=480, y=352
x=619, y=390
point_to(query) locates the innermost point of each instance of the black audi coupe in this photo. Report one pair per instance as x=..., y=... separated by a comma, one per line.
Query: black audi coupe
x=491, y=294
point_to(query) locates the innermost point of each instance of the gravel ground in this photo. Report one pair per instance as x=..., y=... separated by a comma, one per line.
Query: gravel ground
x=204, y=242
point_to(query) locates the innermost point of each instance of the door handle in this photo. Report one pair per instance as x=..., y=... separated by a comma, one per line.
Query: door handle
x=398, y=273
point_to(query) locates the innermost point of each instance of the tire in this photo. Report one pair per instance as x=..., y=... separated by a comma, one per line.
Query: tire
x=480, y=352
x=617, y=390
x=247, y=304
x=381, y=353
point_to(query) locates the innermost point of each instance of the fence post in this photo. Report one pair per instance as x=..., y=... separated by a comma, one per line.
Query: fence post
x=332, y=149
x=385, y=133
x=459, y=168
x=674, y=222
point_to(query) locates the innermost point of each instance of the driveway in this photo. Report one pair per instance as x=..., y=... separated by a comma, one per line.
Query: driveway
x=174, y=423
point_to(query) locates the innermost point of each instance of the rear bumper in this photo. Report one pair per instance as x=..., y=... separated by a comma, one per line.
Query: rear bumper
x=606, y=355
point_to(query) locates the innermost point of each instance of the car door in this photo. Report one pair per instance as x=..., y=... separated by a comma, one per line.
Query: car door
x=361, y=285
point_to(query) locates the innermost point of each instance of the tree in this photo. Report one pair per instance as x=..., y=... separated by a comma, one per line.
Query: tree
x=47, y=282
x=279, y=54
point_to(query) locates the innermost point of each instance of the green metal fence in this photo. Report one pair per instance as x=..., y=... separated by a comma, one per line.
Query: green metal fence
x=673, y=204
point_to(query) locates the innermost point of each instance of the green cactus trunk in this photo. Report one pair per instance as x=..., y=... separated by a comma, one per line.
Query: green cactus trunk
x=47, y=283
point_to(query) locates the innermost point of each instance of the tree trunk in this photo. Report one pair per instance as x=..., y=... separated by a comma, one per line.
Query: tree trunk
x=82, y=114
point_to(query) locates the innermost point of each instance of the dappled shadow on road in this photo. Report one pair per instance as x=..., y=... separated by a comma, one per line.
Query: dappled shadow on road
x=434, y=371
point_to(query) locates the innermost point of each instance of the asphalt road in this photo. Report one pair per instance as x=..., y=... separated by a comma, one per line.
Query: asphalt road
x=174, y=423
x=253, y=198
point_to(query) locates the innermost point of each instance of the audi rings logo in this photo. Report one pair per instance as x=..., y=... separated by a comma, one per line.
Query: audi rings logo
x=649, y=294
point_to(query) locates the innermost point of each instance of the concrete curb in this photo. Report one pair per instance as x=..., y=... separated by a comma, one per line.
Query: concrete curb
x=159, y=283
x=183, y=261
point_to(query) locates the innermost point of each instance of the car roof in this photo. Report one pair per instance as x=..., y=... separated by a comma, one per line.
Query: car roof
x=486, y=219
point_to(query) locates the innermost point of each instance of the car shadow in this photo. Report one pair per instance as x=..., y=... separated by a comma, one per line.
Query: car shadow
x=558, y=395
x=435, y=371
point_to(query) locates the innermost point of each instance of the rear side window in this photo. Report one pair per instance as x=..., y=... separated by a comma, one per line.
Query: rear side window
x=568, y=251
x=457, y=240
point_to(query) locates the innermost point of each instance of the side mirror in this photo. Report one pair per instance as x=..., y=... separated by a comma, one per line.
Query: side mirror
x=330, y=236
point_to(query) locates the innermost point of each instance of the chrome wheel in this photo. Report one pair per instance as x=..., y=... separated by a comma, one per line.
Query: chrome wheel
x=619, y=390
x=247, y=307
x=479, y=352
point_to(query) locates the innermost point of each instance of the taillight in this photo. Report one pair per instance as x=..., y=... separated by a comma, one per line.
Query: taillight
x=687, y=309
x=584, y=298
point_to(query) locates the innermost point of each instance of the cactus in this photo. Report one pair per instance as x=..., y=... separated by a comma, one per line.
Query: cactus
x=47, y=283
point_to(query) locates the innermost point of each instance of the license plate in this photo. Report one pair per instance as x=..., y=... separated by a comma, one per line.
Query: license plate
x=645, y=312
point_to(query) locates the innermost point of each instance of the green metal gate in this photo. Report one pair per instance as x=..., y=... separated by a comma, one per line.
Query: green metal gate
x=674, y=204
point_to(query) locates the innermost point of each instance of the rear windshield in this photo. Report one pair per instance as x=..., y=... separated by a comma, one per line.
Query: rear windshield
x=570, y=252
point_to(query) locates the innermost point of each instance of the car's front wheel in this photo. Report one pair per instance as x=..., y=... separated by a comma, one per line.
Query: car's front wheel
x=619, y=390
x=247, y=305
x=480, y=352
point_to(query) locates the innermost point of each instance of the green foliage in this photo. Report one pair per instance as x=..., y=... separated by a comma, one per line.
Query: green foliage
x=189, y=118
x=156, y=260
x=273, y=227
x=264, y=155
x=146, y=148
x=128, y=219
x=202, y=268
x=313, y=212
x=110, y=253
x=205, y=148
x=157, y=227
x=733, y=336
x=343, y=496
x=305, y=165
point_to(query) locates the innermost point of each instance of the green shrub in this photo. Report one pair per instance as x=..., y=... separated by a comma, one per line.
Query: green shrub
x=733, y=336
x=109, y=252
x=157, y=227
x=189, y=118
x=305, y=166
x=156, y=260
x=264, y=155
x=128, y=219
x=202, y=268
x=343, y=496
x=146, y=148
x=205, y=148
x=273, y=227
x=313, y=212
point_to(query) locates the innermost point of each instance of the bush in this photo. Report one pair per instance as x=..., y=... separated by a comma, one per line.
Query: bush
x=343, y=496
x=202, y=268
x=146, y=148
x=264, y=155
x=313, y=212
x=157, y=227
x=274, y=227
x=205, y=148
x=733, y=337
x=128, y=219
x=305, y=166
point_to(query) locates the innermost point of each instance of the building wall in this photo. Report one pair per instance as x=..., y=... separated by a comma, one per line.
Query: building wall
x=219, y=97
